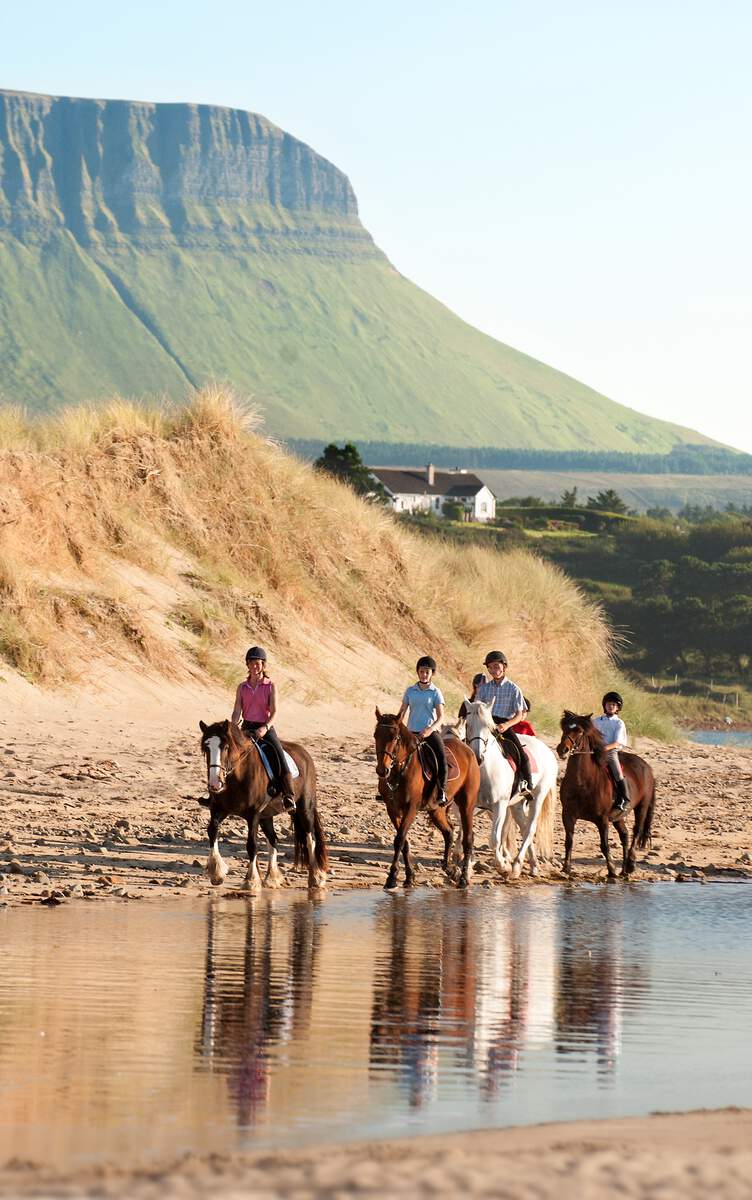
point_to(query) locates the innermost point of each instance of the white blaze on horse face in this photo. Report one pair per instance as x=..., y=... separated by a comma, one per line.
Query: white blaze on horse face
x=213, y=747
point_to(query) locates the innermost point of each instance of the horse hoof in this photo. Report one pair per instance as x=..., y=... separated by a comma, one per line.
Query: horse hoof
x=516, y=870
x=463, y=882
x=317, y=880
x=390, y=885
x=216, y=882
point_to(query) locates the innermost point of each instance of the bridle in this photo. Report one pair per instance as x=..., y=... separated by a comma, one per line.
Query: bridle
x=224, y=771
x=575, y=744
x=396, y=768
x=485, y=741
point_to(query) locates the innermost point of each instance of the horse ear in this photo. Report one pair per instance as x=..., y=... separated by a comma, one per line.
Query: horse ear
x=226, y=725
x=378, y=713
x=589, y=716
x=203, y=726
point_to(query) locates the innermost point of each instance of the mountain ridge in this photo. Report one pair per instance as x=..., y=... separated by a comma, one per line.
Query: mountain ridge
x=147, y=247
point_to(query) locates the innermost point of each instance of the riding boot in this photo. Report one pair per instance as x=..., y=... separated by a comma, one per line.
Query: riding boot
x=288, y=791
x=621, y=803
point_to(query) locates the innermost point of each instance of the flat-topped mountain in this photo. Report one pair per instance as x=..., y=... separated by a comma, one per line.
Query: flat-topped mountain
x=149, y=247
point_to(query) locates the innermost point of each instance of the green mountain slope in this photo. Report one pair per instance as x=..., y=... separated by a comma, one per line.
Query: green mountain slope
x=147, y=247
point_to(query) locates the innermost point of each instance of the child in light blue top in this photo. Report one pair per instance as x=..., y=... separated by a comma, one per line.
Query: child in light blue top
x=425, y=704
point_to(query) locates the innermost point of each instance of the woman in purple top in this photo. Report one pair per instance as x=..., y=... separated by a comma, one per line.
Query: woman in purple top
x=255, y=706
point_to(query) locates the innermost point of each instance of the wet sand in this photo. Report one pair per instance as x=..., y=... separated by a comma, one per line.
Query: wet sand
x=691, y=1155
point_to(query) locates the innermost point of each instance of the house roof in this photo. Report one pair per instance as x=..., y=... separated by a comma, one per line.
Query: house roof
x=401, y=481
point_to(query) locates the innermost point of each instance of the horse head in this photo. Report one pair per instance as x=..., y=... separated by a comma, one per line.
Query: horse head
x=216, y=744
x=576, y=733
x=389, y=736
x=479, y=727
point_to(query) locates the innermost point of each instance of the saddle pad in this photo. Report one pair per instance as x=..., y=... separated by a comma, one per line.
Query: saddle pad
x=292, y=766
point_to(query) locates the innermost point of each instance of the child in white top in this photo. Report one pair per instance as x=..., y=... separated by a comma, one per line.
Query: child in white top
x=614, y=733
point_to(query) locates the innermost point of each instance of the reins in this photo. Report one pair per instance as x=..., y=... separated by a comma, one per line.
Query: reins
x=396, y=767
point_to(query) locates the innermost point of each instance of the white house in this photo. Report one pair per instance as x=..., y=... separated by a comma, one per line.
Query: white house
x=415, y=489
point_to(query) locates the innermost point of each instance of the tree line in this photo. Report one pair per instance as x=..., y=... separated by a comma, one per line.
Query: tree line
x=687, y=459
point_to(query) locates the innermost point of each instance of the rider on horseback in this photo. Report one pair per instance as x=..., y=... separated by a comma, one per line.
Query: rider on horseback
x=426, y=705
x=614, y=733
x=256, y=704
x=508, y=708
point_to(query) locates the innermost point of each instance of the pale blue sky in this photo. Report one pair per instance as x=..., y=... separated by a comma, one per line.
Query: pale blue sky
x=574, y=178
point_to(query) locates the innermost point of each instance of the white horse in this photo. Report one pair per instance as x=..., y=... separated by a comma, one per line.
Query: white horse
x=533, y=811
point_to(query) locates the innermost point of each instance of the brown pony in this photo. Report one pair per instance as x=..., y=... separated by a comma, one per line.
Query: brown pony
x=238, y=783
x=405, y=790
x=587, y=792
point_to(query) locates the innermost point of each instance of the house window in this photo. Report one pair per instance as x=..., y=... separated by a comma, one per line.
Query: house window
x=438, y=501
x=483, y=506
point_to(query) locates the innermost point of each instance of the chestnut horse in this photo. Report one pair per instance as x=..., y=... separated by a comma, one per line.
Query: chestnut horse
x=238, y=784
x=405, y=790
x=587, y=791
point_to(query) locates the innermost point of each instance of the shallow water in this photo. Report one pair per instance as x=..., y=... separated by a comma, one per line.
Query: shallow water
x=137, y=1032
x=721, y=737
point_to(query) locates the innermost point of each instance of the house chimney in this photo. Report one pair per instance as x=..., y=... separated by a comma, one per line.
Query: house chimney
x=430, y=474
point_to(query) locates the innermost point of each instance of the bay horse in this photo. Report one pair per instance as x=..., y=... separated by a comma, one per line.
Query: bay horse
x=406, y=791
x=533, y=812
x=587, y=792
x=237, y=782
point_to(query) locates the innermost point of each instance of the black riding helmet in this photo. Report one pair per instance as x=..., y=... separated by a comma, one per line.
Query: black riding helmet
x=426, y=661
x=612, y=696
x=496, y=656
x=257, y=653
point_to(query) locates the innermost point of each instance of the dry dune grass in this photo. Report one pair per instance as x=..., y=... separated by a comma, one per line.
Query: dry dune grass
x=252, y=544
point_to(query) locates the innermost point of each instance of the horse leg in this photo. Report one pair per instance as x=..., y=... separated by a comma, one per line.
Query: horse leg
x=216, y=867
x=569, y=824
x=499, y=820
x=400, y=837
x=441, y=819
x=274, y=877
x=406, y=858
x=621, y=828
x=603, y=831
x=253, y=878
x=466, y=816
x=526, y=817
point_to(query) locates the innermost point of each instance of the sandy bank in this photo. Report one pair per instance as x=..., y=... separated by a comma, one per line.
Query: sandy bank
x=692, y=1156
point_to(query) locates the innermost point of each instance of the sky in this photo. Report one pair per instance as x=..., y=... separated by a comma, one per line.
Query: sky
x=574, y=177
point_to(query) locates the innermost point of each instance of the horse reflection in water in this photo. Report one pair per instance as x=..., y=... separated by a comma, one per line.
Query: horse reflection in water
x=258, y=993
x=457, y=984
x=484, y=993
x=593, y=980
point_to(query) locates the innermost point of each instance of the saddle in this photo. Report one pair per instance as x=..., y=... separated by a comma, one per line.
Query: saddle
x=431, y=767
x=271, y=764
x=511, y=754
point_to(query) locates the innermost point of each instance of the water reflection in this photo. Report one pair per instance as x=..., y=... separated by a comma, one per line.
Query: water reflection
x=365, y=1016
x=258, y=989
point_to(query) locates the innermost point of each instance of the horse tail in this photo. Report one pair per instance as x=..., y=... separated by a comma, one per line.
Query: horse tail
x=644, y=838
x=301, y=829
x=544, y=830
x=322, y=850
x=301, y=844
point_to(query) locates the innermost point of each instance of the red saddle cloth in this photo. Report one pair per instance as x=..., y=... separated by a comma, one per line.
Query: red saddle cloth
x=530, y=757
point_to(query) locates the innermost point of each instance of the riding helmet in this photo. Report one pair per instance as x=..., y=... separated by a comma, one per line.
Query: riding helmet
x=615, y=697
x=257, y=653
x=495, y=656
x=426, y=661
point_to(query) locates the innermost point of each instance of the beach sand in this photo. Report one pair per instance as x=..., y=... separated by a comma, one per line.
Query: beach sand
x=99, y=804
x=690, y=1156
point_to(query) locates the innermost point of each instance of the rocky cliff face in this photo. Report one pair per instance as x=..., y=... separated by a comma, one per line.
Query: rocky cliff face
x=107, y=167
